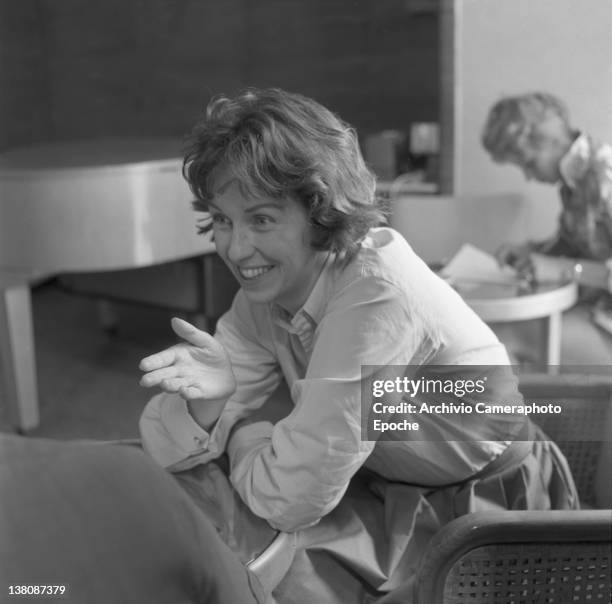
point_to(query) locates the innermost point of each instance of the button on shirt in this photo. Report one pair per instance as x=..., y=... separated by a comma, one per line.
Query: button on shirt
x=382, y=307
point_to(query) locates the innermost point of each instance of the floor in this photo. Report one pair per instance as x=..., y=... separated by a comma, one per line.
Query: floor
x=87, y=377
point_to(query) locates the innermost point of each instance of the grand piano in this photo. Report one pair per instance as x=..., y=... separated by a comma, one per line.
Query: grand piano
x=82, y=206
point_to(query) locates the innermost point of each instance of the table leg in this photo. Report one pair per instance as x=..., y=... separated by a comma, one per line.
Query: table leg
x=18, y=364
x=552, y=342
x=107, y=315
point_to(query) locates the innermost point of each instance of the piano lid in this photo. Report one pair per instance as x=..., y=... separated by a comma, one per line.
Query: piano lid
x=90, y=154
x=95, y=205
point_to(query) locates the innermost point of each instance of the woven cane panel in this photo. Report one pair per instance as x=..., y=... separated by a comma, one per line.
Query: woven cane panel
x=578, y=431
x=531, y=574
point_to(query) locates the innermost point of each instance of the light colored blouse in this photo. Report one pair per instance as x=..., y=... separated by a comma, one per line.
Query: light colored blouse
x=585, y=222
x=383, y=307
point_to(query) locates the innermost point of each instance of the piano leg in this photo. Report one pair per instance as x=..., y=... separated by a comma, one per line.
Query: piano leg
x=18, y=364
x=107, y=316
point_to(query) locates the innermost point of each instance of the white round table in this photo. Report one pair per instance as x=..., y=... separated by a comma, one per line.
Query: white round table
x=510, y=302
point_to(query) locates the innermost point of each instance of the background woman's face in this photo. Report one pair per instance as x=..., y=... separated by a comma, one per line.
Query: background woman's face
x=539, y=163
x=265, y=242
x=539, y=157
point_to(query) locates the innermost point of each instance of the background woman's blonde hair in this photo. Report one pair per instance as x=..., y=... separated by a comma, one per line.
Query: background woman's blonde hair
x=513, y=122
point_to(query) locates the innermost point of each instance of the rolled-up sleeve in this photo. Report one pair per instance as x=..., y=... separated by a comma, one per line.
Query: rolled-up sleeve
x=294, y=473
x=168, y=431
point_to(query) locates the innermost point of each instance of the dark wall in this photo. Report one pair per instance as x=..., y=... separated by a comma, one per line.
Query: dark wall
x=74, y=69
x=25, y=109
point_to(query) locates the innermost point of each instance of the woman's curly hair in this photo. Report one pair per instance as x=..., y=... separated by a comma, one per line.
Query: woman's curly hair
x=285, y=145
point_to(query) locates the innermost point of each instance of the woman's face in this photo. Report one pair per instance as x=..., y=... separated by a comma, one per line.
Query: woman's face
x=539, y=163
x=265, y=242
x=540, y=154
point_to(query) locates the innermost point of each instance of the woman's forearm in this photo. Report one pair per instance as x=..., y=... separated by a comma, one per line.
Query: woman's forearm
x=590, y=273
x=206, y=412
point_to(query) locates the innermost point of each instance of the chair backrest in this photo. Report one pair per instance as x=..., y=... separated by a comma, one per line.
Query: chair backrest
x=557, y=557
x=583, y=428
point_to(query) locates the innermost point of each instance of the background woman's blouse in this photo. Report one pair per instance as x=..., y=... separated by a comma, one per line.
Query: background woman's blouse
x=384, y=307
x=585, y=223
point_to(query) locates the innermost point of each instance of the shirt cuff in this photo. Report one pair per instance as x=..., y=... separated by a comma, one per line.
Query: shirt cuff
x=169, y=433
x=181, y=426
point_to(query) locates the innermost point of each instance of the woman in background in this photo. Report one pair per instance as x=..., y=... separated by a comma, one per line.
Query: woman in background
x=330, y=301
x=533, y=132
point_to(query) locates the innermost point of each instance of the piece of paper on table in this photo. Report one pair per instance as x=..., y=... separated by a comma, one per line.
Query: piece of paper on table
x=473, y=264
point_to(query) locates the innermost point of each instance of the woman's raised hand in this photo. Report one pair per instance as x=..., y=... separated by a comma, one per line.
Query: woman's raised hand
x=196, y=368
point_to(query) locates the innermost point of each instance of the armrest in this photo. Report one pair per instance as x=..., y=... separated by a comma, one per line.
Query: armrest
x=273, y=563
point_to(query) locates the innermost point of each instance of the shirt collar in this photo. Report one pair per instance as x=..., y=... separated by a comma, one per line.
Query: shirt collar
x=316, y=302
x=314, y=307
x=575, y=162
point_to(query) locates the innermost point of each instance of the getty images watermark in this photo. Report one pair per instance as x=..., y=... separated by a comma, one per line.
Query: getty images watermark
x=450, y=402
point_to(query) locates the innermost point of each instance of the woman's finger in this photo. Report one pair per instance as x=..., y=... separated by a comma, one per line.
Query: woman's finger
x=190, y=333
x=158, y=360
x=153, y=378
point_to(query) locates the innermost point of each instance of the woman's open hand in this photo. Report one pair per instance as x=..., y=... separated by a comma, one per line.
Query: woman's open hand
x=196, y=368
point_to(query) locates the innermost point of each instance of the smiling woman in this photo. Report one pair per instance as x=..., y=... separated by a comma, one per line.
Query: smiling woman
x=267, y=245
x=328, y=301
